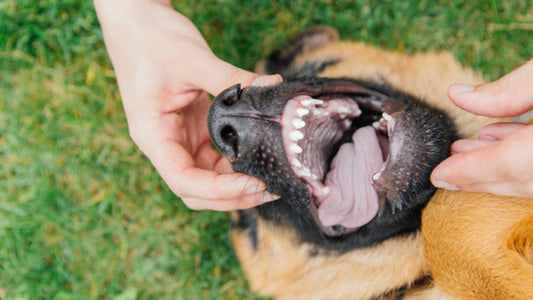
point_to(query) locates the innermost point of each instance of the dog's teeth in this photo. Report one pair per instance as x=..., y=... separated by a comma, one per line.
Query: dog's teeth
x=296, y=135
x=309, y=102
x=295, y=149
x=344, y=110
x=377, y=175
x=326, y=190
x=302, y=111
x=298, y=123
x=296, y=163
x=376, y=124
x=305, y=172
x=359, y=112
x=387, y=117
x=346, y=124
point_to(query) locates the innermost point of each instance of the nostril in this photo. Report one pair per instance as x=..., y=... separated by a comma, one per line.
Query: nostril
x=229, y=136
x=232, y=95
x=230, y=101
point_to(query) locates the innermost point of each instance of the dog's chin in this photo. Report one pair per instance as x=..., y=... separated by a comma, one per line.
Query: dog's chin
x=344, y=143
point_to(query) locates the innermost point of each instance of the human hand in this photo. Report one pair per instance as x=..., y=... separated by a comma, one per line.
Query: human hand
x=500, y=161
x=163, y=66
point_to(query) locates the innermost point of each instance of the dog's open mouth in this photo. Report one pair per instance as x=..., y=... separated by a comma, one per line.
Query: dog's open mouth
x=360, y=154
x=341, y=143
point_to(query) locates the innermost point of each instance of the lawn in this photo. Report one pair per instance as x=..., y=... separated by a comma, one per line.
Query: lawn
x=83, y=215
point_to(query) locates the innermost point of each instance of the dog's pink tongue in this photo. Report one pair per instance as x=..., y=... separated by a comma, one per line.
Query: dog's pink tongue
x=352, y=201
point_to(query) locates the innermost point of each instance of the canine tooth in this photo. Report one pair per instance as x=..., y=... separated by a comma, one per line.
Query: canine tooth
x=298, y=123
x=302, y=111
x=295, y=149
x=309, y=102
x=296, y=163
x=296, y=135
x=344, y=110
x=358, y=112
x=377, y=175
x=326, y=190
x=376, y=124
x=387, y=117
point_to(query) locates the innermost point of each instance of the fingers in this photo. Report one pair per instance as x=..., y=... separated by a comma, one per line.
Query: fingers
x=216, y=75
x=511, y=95
x=464, y=169
x=467, y=145
x=219, y=191
x=245, y=202
x=222, y=75
x=267, y=80
x=504, y=188
x=501, y=165
x=499, y=131
x=209, y=189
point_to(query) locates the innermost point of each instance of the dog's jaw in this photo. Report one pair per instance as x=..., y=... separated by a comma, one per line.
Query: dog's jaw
x=275, y=134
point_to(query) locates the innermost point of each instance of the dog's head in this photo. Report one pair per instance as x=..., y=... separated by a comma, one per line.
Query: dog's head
x=351, y=161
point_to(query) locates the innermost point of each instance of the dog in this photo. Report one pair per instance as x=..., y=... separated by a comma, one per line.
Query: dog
x=348, y=140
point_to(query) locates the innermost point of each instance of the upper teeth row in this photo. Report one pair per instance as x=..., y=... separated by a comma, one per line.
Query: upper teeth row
x=310, y=102
x=383, y=122
x=296, y=135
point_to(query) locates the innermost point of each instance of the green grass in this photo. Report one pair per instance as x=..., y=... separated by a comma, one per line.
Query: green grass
x=83, y=215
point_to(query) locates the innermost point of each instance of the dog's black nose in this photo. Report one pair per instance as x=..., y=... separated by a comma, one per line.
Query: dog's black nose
x=231, y=95
x=228, y=124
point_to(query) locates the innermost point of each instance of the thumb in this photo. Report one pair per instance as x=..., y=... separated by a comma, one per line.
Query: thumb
x=509, y=96
x=223, y=75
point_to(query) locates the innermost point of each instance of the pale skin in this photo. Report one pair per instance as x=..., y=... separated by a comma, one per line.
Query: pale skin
x=164, y=71
x=500, y=161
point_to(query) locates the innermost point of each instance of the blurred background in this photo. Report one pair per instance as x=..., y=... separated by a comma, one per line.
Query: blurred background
x=83, y=215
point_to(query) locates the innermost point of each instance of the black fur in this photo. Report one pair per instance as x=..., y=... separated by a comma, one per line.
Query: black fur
x=280, y=61
x=242, y=123
x=247, y=221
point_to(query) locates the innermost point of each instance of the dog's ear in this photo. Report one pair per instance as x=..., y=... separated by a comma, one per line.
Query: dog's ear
x=280, y=61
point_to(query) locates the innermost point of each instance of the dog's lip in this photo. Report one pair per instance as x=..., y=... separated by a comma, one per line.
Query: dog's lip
x=368, y=100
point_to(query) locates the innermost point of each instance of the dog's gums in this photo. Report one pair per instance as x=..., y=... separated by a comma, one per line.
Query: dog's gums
x=311, y=131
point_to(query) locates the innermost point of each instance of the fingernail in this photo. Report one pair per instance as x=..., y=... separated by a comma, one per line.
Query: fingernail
x=487, y=137
x=445, y=185
x=462, y=88
x=268, y=197
x=254, y=190
x=255, y=187
x=267, y=80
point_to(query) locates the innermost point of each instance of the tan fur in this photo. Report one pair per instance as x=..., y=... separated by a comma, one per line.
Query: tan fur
x=423, y=75
x=480, y=246
x=284, y=268
x=477, y=245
